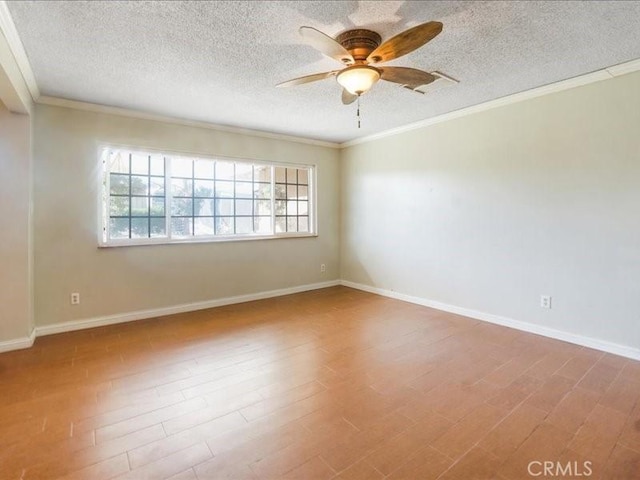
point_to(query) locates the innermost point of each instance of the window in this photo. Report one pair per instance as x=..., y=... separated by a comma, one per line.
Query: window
x=159, y=198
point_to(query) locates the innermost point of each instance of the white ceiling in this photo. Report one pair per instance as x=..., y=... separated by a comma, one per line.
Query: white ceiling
x=219, y=61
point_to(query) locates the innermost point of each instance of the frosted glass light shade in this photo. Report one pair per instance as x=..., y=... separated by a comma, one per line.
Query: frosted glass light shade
x=358, y=79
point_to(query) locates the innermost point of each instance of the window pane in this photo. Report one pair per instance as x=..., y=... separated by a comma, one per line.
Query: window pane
x=244, y=225
x=262, y=207
x=181, y=187
x=157, y=186
x=261, y=173
x=281, y=191
x=139, y=185
x=203, y=168
x=181, y=227
x=224, y=207
x=157, y=165
x=224, y=189
x=262, y=190
x=281, y=207
x=224, y=225
x=262, y=225
x=139, y=228
x=181, y=167
x=224, y=171
x=119, y=227
x=204, y=207
x=140, y=206
x=303, y=176
x=158, y=228
x=182, y=207
x=157, y=206
x=119, y=207
x=244, y=207
x=203, y=188
x=120, y=164
x=119, y=184
x=203, y=197
x=139, y=164
x=244, y=190
x=244, y=172
x=203, y=226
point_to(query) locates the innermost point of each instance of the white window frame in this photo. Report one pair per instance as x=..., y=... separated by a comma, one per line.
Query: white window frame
x=104, y=197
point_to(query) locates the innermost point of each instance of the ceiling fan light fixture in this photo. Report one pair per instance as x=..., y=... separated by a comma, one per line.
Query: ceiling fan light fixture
x=358, y=79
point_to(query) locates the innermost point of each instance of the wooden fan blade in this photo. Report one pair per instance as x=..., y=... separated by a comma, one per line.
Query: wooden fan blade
x=326, y=45
x=307, y=79
x=410, y=77
x=405, y=42
x=348, y=97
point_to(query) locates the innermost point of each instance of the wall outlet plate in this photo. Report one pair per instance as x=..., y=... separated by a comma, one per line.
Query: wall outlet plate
x=545, y=301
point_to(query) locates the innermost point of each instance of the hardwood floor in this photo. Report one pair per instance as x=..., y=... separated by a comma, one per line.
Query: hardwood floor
x=334, y=383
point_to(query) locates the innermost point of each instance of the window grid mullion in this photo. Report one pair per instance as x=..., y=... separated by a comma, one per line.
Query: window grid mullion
x=130, y=189
x=193, y=198
x=106, y=212
x=168, y=196
x=149, y=196
x=215, y=198
x=273, y=200
x=251, y=215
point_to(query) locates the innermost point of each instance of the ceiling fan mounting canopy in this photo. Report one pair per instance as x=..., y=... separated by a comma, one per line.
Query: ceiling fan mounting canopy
x=359, y=42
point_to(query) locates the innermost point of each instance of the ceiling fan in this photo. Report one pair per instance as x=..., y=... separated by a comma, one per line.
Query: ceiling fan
x=360, y=49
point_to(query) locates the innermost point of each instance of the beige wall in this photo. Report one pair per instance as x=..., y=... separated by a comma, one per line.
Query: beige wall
x=15, y=263
x=128, y=279
x=489, y=211
x=485, y=212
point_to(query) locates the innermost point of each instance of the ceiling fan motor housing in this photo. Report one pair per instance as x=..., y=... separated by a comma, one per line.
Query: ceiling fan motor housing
x=359, y=42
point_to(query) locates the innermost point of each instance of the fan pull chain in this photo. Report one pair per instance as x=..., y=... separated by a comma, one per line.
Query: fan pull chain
x=358, y=112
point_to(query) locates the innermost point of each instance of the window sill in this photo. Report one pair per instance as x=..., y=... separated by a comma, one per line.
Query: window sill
x=187, y=241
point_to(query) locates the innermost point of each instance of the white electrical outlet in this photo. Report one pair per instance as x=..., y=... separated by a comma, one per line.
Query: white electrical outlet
x=545, y=301
x=323, y=268
x=75, y=299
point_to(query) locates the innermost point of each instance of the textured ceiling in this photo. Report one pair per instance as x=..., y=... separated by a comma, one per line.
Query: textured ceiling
x=219, y=61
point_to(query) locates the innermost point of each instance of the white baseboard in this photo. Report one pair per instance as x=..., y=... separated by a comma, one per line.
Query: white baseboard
x=602, y=345
x=605, y=346
x=186, y=307
x=18, y=343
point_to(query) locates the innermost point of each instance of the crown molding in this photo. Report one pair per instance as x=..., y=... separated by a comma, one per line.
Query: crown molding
x=13, y=90
x=597, y=76
x=624, y=68
x=126, y=112
x=8, y=28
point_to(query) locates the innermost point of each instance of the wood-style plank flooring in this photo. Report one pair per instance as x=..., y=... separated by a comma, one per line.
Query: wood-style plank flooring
x=334, y=383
